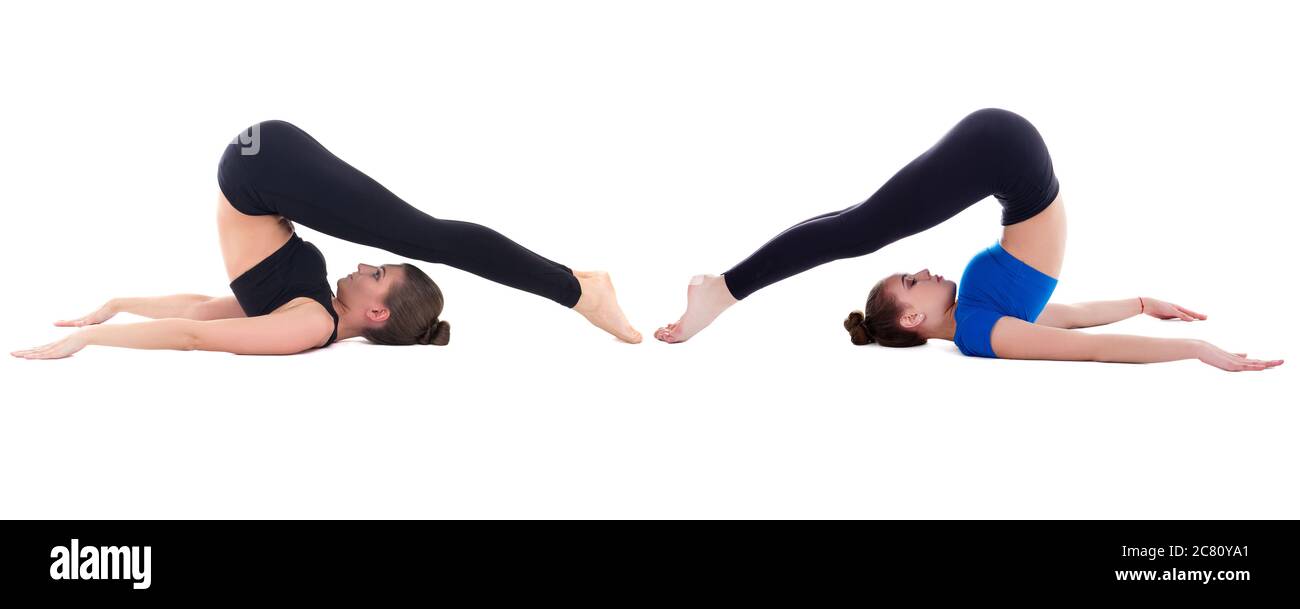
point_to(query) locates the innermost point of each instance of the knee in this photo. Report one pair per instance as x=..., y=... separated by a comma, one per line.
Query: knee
x=268, y=126
x=276, y=123
x=272, y=126
x=1004, y=129
x=996, y=118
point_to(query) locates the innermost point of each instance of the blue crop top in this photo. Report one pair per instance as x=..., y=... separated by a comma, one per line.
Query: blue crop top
x=994, y=284
x=296, y=269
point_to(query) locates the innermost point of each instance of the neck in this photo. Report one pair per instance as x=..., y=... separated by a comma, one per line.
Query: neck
x=948, y=328
x=347, y=329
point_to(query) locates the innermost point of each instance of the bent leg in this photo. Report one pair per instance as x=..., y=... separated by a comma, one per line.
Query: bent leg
x=989, y=152
x=293, y=175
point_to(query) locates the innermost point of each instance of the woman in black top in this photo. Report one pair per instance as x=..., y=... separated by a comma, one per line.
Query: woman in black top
x=274, y=174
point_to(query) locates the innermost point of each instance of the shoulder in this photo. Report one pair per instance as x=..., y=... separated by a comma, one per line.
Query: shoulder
x=309, y=315
x=974, y=329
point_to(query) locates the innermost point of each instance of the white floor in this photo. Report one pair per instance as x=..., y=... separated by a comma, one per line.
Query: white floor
x=539, y=417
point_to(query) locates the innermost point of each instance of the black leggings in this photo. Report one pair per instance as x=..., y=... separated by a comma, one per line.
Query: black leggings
x=990, y=152
x=276, y=168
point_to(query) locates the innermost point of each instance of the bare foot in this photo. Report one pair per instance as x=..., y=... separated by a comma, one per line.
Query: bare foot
x=707, y=297
x=599, y=305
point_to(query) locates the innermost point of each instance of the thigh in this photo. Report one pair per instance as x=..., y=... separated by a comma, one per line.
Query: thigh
x=301, y=180
x=1040, y=240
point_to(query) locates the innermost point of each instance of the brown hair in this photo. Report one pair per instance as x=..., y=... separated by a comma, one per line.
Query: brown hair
x=415, y=305
x=880, y=322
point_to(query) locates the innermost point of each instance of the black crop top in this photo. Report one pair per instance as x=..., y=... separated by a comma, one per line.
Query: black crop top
x=296, y=269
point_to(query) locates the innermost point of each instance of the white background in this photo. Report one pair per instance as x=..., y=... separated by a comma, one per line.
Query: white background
x=655, y=141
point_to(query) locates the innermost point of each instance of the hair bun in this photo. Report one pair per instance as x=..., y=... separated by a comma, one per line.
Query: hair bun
x=438, y=333
x=856, y=325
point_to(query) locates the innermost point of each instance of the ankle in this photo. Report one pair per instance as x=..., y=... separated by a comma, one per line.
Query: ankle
x=724, y=292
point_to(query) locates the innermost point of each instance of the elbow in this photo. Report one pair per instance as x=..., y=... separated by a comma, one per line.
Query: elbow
x=191, y=312
x=1094, y=349
x=199, y=311
x=191, y=339
x=1073, y=318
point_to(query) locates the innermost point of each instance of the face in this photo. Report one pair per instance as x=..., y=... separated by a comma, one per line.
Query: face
x=924, y=297
x=365, y=291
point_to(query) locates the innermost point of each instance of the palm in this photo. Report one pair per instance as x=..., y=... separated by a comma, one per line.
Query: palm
x=58, y=349
x=1168, y=310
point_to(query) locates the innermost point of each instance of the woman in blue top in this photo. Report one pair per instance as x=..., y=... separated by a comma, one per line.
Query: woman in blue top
x=1001, y=309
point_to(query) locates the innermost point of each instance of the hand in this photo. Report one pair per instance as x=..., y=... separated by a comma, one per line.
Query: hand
x=1232, y=362
x=1160, y=309
x=100, y=315
x=61, y=348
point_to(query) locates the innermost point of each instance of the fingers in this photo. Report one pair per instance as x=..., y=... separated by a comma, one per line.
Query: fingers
x=1238, y=364
x=1187, y=311
x=44, y=355
x=1251, y=367
x=40, y=352
x=36, y=353
x=1265, y=363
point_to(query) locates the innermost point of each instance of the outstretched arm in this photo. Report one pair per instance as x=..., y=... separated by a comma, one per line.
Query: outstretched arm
x=1017, y=339
x=291, y=331
x=183, y=306
x=1102, y=312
